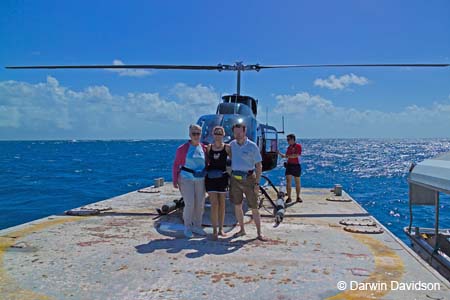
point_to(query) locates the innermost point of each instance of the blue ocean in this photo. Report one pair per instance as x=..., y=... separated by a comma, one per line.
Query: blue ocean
x=40, y=178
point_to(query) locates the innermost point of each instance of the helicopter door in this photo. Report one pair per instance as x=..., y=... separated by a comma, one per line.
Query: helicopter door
x=270, y=149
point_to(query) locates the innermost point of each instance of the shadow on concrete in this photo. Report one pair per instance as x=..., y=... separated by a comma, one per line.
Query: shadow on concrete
x=199, y=247
x=114, y=214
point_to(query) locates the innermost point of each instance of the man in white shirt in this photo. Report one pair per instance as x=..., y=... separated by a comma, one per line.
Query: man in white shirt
x=246, y=172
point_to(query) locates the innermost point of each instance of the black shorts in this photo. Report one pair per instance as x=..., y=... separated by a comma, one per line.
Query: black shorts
x=294, y=170
x=219, y=185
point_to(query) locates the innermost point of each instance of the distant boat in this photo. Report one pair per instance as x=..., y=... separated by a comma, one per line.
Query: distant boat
x=426, y=180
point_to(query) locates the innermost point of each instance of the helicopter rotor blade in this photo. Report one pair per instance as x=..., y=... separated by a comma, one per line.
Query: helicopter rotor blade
x=258, y=67
x=220, y=67
x=159, y=67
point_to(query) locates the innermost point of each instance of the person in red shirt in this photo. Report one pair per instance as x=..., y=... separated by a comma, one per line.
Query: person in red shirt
x=293, y=167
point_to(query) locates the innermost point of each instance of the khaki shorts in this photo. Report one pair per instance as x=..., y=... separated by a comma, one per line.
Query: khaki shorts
x=244, y=186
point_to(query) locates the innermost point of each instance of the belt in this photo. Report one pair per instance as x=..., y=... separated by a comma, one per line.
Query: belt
x=187, y=170
x=197, y=174
x=242, y=174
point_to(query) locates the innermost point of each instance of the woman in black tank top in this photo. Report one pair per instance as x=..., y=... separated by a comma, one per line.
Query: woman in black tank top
x=217, y=158
x=216, y=180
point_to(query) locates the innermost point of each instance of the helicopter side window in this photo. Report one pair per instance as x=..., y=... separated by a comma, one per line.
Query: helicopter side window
x=271, y=142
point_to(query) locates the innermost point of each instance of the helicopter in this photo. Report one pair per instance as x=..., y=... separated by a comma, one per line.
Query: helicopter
x=235, y=108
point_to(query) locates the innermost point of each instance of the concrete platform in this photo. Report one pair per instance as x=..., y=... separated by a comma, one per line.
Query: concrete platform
x=123, y=253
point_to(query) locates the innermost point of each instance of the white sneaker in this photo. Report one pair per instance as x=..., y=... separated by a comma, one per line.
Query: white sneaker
x=199, y=231
x=188, y=233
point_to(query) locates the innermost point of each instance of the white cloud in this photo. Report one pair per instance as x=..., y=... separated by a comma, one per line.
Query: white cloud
x=342, y=82
x=128, y=72
x=319, y=117
x=50, y=110
x=302, y=102
x=201, y=99
x=9, y=117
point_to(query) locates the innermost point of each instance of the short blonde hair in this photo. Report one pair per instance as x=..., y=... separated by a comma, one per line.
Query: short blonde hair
x=194, y=126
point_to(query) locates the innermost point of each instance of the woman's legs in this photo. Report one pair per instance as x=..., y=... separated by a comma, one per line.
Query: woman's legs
x=221, y=213
x=213, y=198
x=187, y=189
x=199, y=203
x=289, y=185
x=297, y=187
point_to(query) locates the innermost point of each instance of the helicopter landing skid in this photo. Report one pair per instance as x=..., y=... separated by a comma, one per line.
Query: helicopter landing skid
x=279, y=206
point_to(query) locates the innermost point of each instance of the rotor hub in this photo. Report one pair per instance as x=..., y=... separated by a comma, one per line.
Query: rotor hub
x=238, y=66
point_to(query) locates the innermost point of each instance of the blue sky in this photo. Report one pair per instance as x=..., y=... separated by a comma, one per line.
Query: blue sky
x=345, y=102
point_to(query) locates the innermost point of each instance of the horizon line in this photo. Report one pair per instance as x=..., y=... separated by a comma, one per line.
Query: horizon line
x=180, y=139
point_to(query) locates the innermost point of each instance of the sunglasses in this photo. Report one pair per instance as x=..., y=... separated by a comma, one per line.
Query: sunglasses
x=218, y=133
x=195, y=133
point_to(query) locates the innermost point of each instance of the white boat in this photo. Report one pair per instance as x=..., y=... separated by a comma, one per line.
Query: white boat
x=427, y=180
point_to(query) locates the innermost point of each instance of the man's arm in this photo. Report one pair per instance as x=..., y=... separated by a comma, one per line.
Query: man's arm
x=281, y=154
x=258, y=171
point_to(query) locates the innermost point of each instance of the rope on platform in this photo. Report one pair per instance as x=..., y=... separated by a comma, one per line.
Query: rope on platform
x=364, y=229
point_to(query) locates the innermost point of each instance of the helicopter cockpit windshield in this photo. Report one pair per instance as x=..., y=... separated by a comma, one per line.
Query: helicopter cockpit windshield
x=208, y=122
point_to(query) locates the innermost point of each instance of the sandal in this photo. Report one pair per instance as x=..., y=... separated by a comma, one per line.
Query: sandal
x=262, y=238
x=240, y=233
